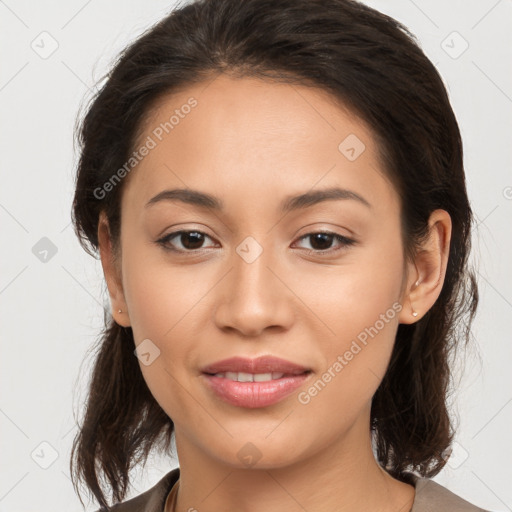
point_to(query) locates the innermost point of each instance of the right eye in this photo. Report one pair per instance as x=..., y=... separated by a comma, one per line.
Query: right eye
x=190, y=240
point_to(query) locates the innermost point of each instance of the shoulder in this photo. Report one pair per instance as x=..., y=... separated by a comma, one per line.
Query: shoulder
x=433, y=497
x=152, y=500
x=430, y=497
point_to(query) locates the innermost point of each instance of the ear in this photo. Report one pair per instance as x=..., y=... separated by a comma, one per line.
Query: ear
x=427, y=272
x=112, y=272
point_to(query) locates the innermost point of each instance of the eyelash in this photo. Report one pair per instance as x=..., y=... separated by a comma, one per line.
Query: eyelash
x=343, y=240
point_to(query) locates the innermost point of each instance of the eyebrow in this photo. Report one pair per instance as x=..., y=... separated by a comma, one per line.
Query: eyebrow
x=201, y=199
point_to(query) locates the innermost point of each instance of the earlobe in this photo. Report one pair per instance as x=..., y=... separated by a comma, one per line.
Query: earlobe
x=414, y=312
x=409, y=314
x=112, y=273
x=430, y=262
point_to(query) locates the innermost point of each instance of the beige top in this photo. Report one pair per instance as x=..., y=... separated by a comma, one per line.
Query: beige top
x=430, y=497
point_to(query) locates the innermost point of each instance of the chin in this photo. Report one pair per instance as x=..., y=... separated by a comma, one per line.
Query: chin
x=260, y=453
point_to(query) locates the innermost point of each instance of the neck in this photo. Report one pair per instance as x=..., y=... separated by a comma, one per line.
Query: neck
x=344, y=477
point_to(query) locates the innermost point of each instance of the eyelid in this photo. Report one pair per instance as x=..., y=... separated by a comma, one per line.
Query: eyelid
x=344, y=240
x=164, y=240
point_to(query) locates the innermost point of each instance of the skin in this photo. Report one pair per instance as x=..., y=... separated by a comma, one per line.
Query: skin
x=252, y=143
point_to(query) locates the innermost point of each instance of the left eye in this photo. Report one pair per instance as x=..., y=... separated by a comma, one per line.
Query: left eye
x=193, y=240
x=323, y=241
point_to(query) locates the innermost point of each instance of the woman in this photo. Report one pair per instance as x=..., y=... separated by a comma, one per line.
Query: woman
x=276, y=190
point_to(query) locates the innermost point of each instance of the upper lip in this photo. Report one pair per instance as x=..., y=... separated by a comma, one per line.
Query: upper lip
x=263, y=364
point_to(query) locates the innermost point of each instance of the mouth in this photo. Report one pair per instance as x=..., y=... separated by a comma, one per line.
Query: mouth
x=254, y=390
x=255, y=377
x=263, y=365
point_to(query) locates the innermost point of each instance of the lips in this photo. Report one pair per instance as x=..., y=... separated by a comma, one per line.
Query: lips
x=254, y=383
x=263, y=364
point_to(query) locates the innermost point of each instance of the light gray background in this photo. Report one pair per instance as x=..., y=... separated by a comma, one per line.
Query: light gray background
x=52, y=311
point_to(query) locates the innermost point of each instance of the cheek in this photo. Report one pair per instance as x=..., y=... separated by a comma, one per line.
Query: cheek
x=171, y=306
x=359, y=303
x=160, y=295
x=353, y=295
x=365, y=320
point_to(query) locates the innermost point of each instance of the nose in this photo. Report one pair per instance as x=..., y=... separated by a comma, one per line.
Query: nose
x=254, y=297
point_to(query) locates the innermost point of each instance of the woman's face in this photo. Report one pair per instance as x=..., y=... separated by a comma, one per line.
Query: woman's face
x=252, y=279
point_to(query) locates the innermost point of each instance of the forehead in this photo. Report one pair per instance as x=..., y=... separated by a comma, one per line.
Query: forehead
x=246, y=134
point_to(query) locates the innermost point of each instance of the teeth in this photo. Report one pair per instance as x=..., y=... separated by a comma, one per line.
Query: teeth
x=250, y=377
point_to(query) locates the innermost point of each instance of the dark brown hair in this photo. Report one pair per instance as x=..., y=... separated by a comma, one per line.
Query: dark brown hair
x=373, y=65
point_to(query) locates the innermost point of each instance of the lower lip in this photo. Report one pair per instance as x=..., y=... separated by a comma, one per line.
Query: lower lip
x=254, y=394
